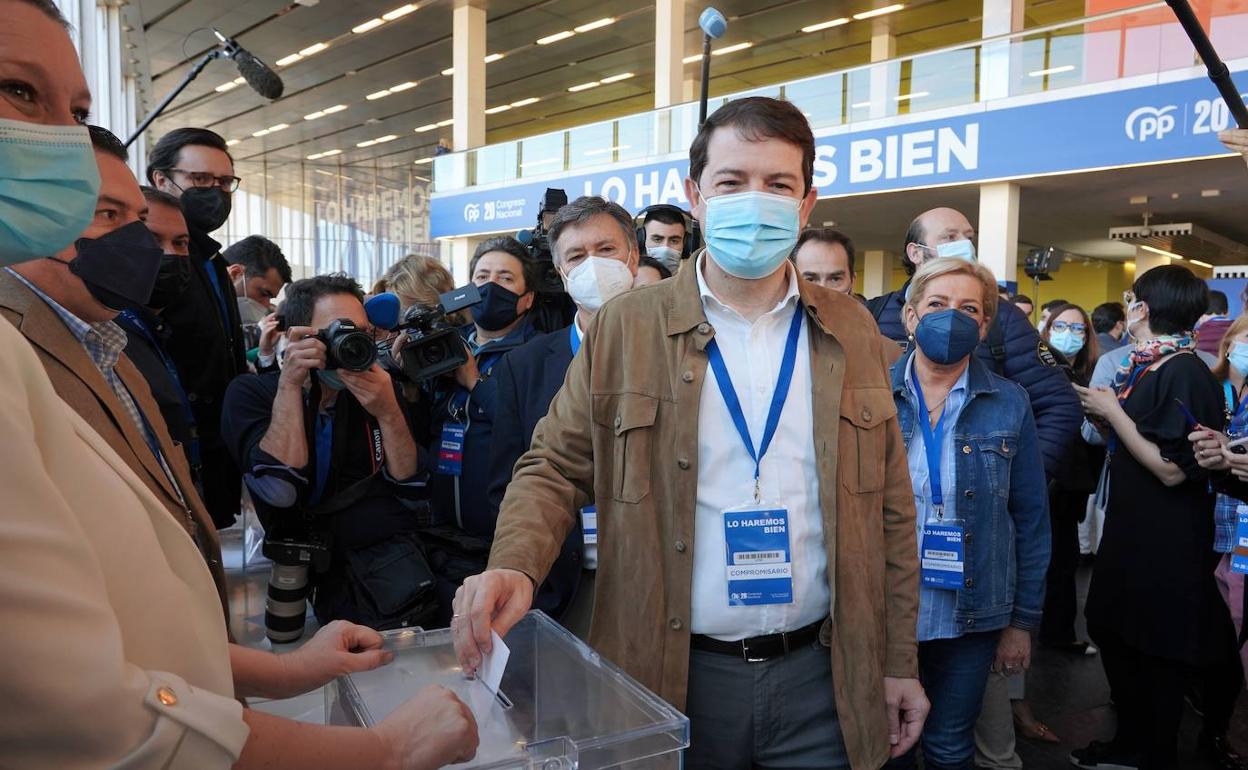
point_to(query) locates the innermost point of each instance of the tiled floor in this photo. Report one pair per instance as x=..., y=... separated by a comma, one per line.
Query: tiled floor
x=1066, y=692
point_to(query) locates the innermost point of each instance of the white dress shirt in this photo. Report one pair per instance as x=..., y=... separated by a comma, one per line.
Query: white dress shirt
x=788, y=476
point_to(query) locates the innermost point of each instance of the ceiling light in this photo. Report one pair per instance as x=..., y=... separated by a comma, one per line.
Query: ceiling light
x=445, y=123
x=826, y=25
x=498, y=109
x=329, y=153
x=313, y=49
x=1202, y=264
x=584, y=86
x=366, y=143
x=371, y=24
x=286, y=61
x=314, y=115
x=423, y=161
x=399, y=12
x=448, y=72
x=526, y=102
x=378, y=94
x=230, y=85
x=907, y=97
x=692, y=59
x=1170, y=254
x=731, y=49
x=1210, y=193
x=278, y=127
x=1052, y=71
x=1138, y=200
x=617, y=78
x=493, y=58
x=335, y=108
x=426, y=127
x=316, y=156
x=261, y=132
x=403, y=87
x=555, y=38
x=232, y=142
x=595, y=24
x=879, y=11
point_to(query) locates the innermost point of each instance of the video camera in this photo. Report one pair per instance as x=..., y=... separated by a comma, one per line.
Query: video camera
x=553, y=308
x=434, y=346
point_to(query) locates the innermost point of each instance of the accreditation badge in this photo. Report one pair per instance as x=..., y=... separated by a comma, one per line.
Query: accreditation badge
x=760, y=564
x=1239, y=557
x=942, y=556
x=450, y=460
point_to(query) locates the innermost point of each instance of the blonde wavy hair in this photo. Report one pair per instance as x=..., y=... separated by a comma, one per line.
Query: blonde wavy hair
x=935, y=268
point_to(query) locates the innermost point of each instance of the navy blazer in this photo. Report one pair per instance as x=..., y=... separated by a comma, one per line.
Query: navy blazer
x=526, y=381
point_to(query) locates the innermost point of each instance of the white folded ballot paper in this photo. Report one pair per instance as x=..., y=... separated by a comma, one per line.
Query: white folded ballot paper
x=542, y=699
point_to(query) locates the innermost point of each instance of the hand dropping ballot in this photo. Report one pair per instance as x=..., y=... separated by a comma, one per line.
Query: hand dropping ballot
x=484, y=699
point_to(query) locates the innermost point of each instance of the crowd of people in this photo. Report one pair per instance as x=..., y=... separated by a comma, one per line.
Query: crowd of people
x=898, y=484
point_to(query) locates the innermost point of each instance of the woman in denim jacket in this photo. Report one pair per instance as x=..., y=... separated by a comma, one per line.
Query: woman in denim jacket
x=982, y=520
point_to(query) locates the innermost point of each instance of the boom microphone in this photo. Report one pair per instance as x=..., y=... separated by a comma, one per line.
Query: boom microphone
x=258, y=75
x=713, y=25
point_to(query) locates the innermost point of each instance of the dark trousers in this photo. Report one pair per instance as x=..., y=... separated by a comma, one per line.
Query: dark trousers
x=1148, y=695
x=1060, y=599
x=954, y=673
x=779, y=713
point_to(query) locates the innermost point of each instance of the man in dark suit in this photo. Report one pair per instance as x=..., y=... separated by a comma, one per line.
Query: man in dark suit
x=194, y=166
x=595, y=250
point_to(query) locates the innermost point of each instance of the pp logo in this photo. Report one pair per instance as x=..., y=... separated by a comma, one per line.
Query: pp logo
x=1150, y=123
x=472, y=212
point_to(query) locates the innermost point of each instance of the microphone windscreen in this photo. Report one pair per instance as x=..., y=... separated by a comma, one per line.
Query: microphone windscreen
x=262, y=80
x=525, y=237
x=713, y=23
x=383, y=310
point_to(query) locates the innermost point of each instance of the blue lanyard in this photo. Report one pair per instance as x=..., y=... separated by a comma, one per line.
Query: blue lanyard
x=933, y=444
x=574, y=339
x=187, y=413
x=778, y=397
x=1234, y=407
x=215, y=280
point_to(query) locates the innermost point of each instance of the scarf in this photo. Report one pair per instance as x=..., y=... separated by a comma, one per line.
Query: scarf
x=1147, y=353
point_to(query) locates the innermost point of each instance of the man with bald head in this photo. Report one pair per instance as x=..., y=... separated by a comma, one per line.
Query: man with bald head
x=1012, y=347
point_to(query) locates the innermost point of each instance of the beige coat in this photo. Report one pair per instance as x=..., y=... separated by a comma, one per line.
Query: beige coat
x=114, y=642
x=623, y=432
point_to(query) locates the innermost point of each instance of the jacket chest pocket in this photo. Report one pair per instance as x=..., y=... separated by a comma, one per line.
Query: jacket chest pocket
x=628, y=419
x=865, y=413
x=996, y=457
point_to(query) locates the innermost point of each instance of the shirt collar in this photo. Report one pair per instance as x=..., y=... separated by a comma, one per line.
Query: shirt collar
x=709, y=299
x=958, y=387
x=108, y=333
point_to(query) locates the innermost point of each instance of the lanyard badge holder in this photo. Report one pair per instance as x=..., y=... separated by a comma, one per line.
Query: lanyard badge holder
x=759, y=567
x=941, y=550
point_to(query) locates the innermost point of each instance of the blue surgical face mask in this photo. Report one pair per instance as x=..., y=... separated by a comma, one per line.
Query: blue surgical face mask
x=49, y=183
x=750, y=234
x=1238, y=357
x=947, y=336
x=1067, y=342
x=962, y=249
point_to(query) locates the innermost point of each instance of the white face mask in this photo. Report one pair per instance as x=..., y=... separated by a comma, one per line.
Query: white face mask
x=596, y=280
x=669, y=257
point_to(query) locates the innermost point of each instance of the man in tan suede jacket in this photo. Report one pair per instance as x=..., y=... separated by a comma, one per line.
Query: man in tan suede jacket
x=773, y=600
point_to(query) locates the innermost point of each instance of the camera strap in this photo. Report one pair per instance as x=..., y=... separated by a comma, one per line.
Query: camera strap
x=341, y=421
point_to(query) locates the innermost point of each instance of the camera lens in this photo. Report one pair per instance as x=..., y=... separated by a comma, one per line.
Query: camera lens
x=355, y=351
x=287, y=602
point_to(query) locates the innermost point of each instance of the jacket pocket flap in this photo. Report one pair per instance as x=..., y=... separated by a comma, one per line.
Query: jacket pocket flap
x=1006, y=446
x=867, y=407
x=622, y=412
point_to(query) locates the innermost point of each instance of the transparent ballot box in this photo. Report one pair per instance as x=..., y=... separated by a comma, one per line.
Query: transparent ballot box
x=560, y=705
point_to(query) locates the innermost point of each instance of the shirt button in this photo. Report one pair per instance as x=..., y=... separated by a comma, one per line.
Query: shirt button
x=618, y=422
x=704, y=328
x=970, y=622
x=866, y=415
x=969, y=493
x=687, y=376
x=167, y=697
x=680, y=546
x=966, y=449
x=969, y=537
x=969, y=582
x=675, y=624
x=683, y=464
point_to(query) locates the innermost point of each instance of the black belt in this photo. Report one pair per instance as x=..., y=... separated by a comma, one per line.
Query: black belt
x=757, y=649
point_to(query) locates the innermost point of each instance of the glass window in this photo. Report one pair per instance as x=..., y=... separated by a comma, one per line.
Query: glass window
x=542, y=154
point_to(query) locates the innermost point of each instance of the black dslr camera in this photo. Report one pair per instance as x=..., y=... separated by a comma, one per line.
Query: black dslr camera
x=289, y=587
x=434, y=346
x=347, y=346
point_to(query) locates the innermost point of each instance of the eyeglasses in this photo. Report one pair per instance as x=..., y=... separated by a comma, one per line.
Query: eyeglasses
x=1077, y=328
x=204, y=179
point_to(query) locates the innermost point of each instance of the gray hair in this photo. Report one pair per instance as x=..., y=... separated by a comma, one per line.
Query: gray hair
x=582, y=210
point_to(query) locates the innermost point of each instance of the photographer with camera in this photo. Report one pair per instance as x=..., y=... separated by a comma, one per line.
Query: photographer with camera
x=463, y=411
x=329, y=458
x=595, y=252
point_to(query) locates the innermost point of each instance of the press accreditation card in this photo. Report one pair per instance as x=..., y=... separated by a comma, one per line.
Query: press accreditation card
x=451, y=450
x=1239, y=557
x=760, y=565
x=942, y=556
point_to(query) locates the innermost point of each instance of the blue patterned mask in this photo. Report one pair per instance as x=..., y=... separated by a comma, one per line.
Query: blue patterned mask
x=947, y=336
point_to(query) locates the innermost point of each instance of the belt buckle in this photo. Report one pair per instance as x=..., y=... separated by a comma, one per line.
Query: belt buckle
x=745, y=653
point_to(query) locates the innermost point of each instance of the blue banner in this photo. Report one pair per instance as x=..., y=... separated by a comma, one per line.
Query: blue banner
x=1151, y=124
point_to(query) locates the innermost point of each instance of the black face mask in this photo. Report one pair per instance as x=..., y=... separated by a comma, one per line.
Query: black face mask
x=206, y=208
x=497, y=308
x=119, y=268
x=171, y=281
